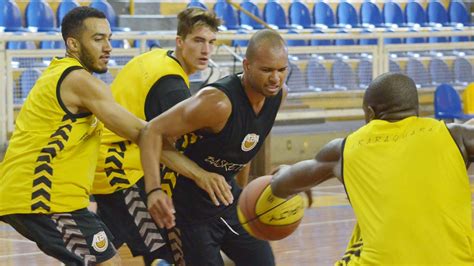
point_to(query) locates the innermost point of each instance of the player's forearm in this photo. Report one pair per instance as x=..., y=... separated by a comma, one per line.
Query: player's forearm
x=124, y=124
x=181, y=164
x=150, y=153
x=298, y=177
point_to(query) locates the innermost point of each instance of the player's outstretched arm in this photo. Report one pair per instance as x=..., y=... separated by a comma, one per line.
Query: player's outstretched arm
x=309, y=173
x=207, y=110
x=83, y=92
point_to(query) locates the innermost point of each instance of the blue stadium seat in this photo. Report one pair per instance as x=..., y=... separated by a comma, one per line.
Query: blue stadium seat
x=413, y=40
x=417, y=71
x=227, y=13
x=393, y=15
x=347, y=15
x=274, y=15
x=458, y=14
x=26, y=82
x=415, y=14
x=52, y=45
x=317, y=76
x=342, y=42
x=64, y=7
x=323, y=15
x=295, y=42
x=241, y=43
x=437, y=39
x=10, y=16
x=462, y=69
x=367, y=41
x=296, y=80
x=319, y=42
x=108, y=10
x=392, y=40
x=447, y=104
x=39, y=16
x=437, y=14
x=370, y=15
x=394, y=67
x=299, y=15
x=197, y=3
x=343, y=76
x=246, y=20
x=440, y=72
x=364, y=73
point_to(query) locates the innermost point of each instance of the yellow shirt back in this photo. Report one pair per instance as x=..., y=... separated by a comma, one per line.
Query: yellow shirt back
x=408, y=185
x=50, y=161
x=119, y=163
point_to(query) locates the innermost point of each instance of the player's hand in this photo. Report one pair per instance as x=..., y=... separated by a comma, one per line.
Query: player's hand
x=217, y=188
x=161, y=209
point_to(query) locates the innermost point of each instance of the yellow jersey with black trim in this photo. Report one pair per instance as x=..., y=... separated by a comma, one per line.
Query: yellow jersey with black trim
x=119, y=163
x=50, y=161
x=408, y=184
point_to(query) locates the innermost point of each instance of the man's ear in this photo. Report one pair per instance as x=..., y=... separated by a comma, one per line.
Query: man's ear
x=369, y=113
x=179, y=42
x=73, y=44
x=246, y=64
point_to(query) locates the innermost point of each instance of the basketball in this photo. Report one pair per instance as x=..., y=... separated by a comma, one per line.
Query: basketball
x=266, y=216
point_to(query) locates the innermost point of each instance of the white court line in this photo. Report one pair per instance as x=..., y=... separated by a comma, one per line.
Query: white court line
x=327, y=187
x=17, y=240
x=20, y=254
x=329, y=222
x=328, y=193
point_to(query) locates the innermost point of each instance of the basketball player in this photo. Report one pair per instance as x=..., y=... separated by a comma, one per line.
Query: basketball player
x=47, y=172
x=147, y=86
x=405, y=177
x=230, y=120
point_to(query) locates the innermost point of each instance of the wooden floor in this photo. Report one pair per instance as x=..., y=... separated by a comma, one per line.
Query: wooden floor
x=320, y=239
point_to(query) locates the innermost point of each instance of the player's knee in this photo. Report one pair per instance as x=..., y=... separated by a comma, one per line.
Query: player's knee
x=114, y=261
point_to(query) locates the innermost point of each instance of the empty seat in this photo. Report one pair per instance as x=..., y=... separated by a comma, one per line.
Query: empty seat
x=246, y=20
x=197, y=3
x=295, y=42
x=415, y=14
x=346, y=15
x=299, y=15
x=343, y=76
x=317, y=76
x=227, y=13
x=370, y=15
x=417, y=71
x=26, y=82
x=364, y=73
x=64, y=7
x=437, y=14
x=39, y=16
x=319, y=42
x=447, y=104
x=10, y=16
x=462, y=69
x=440, y=72
x=323, y=15
x=458, y=14
x=393, y=15
x=296, y=80
x=274, y=15
x=394, y=67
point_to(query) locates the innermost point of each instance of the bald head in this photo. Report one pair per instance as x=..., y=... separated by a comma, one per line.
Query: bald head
x=391, y=96
x=264, y=39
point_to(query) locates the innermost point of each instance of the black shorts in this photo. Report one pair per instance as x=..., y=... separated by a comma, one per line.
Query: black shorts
x=75, y=238
x=126, y=215
x=201, y=243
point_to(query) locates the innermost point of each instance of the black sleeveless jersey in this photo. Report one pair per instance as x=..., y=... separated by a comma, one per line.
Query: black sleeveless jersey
x=226, y=152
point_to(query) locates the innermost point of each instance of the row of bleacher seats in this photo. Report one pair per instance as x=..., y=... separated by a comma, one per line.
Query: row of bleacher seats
x=345, y=15
x=324, y=75
x=349, y=74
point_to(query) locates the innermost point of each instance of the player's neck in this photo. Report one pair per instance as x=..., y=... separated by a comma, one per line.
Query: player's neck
x=179, y=56
x=256, y=99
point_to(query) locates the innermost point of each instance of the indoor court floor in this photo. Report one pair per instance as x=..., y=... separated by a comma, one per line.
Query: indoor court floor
x=320, y=239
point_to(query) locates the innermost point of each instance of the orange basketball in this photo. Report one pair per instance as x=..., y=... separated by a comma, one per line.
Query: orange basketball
x=266, y=216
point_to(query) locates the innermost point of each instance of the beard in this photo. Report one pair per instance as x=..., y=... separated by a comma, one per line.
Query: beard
x=88, y=60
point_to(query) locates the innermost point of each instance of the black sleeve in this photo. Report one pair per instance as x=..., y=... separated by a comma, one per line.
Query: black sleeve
x=165, y=93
